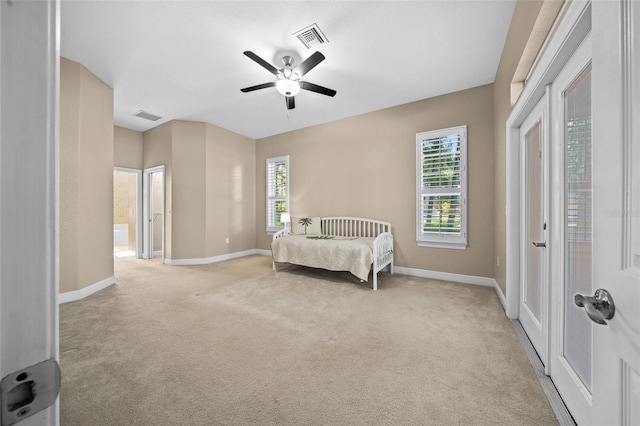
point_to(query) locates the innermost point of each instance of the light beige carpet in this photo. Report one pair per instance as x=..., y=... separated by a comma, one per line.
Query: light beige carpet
x=234, y=343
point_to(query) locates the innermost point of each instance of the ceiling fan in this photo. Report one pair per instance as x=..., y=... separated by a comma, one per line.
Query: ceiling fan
x=288, y=78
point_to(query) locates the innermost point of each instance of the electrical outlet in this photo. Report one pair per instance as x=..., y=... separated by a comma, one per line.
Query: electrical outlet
x=498, y=260
x=226, y=240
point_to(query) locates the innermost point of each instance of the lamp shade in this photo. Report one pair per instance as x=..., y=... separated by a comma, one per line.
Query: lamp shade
x=285, y=218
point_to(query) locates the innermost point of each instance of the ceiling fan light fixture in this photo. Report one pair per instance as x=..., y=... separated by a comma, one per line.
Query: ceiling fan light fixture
x=288, y=79
x=288, y=87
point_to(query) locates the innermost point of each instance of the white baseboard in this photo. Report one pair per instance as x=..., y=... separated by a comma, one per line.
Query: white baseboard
x=456, y=278
x=264, y=252
x=214, y=259
x=501, y=297
x=445, y=276
x=71, y=296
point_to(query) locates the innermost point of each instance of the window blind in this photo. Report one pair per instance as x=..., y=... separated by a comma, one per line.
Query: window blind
x=277, y=191
x=441, y=182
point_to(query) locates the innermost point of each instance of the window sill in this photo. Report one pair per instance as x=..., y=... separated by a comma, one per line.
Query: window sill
x=443, y=245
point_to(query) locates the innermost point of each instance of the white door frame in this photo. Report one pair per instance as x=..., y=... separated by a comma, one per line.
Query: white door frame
x=148, y=213
x=29, y=196
x=574, y=26
x=567, y=36
x=138, y=174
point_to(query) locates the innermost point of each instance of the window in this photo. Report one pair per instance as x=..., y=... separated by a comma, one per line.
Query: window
x=441, y=187
x=277, y=191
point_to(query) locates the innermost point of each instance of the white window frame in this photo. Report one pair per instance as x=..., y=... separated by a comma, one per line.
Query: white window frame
x=270, y=198
x=442, y=240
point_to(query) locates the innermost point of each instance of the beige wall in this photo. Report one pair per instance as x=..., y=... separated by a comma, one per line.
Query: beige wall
x=230, y=192
x=210, y=188
x=127, y=148
x=188, y=189
x=132, y=191
x=121, y=196
x=364, y=166
x=524, y=17
x=124, y=204
x=86, y=178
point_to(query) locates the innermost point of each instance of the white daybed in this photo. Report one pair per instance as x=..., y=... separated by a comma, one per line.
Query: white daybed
x=343, y=244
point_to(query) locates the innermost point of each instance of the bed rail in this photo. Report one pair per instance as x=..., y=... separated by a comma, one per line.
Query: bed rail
x=353, y=226
x=382, y=255
x=281, y=233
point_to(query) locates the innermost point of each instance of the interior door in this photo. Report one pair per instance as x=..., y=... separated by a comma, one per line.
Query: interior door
x=154, y=207
x=572, y=238
x=533, y=314
x=29, y=104
x=616, y=169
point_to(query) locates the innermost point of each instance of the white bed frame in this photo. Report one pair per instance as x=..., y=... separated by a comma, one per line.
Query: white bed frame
x=358, y=227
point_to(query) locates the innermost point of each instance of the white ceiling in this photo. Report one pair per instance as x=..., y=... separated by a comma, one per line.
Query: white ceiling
x=183, y=59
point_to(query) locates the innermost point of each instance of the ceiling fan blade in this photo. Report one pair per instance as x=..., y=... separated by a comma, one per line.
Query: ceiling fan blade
x=318, y=89
x=309, y=63
x=258, y=87
x=266, y=65
x=291, y=102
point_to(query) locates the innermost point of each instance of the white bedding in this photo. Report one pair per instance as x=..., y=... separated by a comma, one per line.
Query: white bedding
x=353, y=254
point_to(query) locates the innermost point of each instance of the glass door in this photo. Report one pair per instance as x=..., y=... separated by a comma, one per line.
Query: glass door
x=572, y=235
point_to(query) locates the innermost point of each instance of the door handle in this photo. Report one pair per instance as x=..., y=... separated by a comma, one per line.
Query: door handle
x=543, y=244
x=599, y=307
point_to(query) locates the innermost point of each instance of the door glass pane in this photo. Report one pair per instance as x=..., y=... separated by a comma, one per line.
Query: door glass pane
x=157, y=209
x=534, y=220
x=578, y=224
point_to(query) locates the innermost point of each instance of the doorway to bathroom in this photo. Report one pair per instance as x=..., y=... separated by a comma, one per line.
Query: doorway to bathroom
x=127, y=212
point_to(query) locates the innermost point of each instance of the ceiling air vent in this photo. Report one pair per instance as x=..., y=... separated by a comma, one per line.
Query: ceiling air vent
x=311, y=36
x=147, y=116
